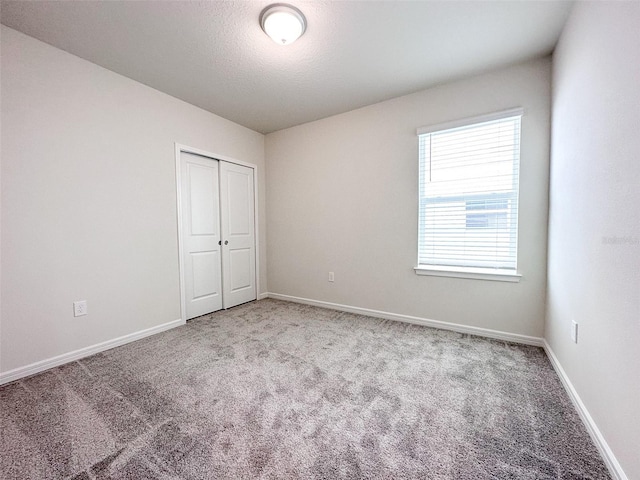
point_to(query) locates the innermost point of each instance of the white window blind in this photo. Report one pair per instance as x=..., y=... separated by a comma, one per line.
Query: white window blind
x=468, y=215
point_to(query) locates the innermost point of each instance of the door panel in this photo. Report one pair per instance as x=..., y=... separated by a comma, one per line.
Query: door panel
x=203, y=201
x=238, y=233
x=201, y=234
x=240, y=268
x=239, y=209
x=205, y=280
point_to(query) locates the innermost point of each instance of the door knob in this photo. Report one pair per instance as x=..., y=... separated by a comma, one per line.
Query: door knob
x=226, y=242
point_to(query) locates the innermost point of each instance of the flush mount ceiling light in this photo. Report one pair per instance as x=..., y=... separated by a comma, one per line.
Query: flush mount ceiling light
x=283, y=23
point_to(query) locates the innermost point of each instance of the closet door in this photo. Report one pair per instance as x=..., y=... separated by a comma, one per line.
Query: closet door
x=201, y=249
x=238, y=234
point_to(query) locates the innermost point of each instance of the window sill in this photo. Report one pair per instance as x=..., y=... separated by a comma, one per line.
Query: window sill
x=469, y=272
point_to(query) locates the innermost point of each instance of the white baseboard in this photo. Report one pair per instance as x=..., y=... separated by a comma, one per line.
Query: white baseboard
x=262, y=296
x=482, y=332
x=42, y=365
x=607, y=455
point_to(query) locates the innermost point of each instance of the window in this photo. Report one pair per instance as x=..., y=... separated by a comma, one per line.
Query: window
x=487, y=213
x=468, y=213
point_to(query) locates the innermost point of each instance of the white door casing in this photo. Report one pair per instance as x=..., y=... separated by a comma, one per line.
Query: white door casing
x=238, y=234
x=201, y=251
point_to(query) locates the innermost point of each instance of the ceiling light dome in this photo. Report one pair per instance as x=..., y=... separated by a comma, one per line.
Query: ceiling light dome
x=283, y=23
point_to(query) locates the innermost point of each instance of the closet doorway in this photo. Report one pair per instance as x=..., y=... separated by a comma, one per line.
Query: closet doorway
x=217, y=232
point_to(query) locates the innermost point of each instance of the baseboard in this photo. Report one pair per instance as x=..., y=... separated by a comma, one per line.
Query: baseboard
x=42, y=365
x=482, y=332
x=262, y=296
x=607, y=455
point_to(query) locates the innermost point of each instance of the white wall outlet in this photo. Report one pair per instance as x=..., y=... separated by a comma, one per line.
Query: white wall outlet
x=574, y=331
x=80, y=308
x=331, y=277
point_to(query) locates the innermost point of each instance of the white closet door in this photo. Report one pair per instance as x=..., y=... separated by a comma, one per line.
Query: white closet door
x=238, y=234
x=201, y=235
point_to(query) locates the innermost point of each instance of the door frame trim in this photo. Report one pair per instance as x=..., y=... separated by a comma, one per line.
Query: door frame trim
x=179, y=149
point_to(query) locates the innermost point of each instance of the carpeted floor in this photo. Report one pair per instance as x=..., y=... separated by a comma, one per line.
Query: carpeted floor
x=277, y=390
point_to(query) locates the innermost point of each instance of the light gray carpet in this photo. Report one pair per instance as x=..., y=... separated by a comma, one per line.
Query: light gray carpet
x=276, y=390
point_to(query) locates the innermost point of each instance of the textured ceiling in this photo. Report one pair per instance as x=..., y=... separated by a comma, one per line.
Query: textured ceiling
x=213, y=54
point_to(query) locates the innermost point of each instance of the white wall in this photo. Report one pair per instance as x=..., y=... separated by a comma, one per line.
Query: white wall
x=594, y=229
x=343, y=197
x=89, y=199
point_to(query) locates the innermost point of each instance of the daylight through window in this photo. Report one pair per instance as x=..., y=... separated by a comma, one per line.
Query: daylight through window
x=468, y=215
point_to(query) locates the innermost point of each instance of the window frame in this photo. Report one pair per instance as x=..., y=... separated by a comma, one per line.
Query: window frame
x=479, y=273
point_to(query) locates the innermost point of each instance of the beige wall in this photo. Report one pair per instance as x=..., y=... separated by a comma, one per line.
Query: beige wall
x=343, y=194
x=594, y=229
x=89, y=199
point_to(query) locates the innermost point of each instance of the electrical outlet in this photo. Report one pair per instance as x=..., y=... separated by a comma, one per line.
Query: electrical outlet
x=331, y=277
x=574, y=331
x=80, y=308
